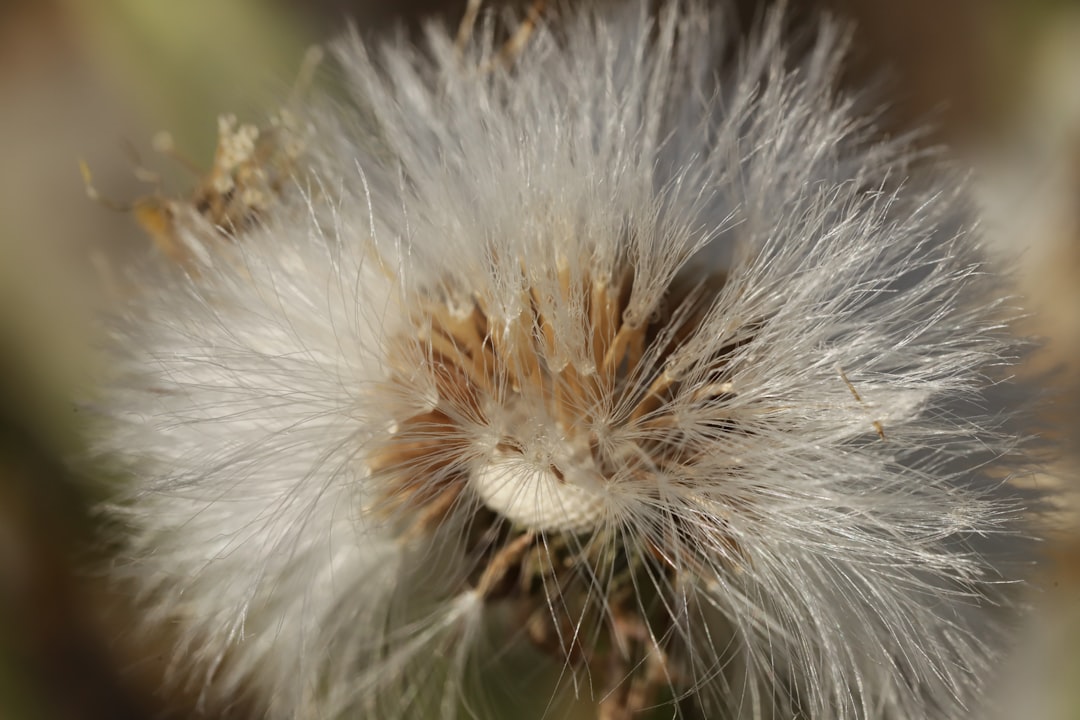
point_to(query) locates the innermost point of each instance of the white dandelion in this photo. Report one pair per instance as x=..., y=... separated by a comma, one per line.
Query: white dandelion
x=587, y=377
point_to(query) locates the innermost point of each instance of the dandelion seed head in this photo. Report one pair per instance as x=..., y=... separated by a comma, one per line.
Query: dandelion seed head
x=679, y=381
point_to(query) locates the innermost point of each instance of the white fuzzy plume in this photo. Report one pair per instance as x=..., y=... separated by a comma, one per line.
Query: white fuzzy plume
x=679, y=387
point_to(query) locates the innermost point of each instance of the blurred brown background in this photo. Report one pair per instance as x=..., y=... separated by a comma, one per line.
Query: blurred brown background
x=84, y=79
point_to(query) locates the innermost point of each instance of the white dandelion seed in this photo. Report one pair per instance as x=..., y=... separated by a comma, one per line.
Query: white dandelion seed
x=678, y=387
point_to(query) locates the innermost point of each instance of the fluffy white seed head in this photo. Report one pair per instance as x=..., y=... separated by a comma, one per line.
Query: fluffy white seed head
x=674, y=384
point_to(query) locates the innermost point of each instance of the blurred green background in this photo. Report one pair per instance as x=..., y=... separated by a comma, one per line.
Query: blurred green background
x=95, y=79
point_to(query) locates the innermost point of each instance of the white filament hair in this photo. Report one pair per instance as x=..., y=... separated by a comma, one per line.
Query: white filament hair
x=836, y=556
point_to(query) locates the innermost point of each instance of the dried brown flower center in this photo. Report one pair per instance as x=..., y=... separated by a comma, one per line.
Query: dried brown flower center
x=561, y=434
x=565, y=429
